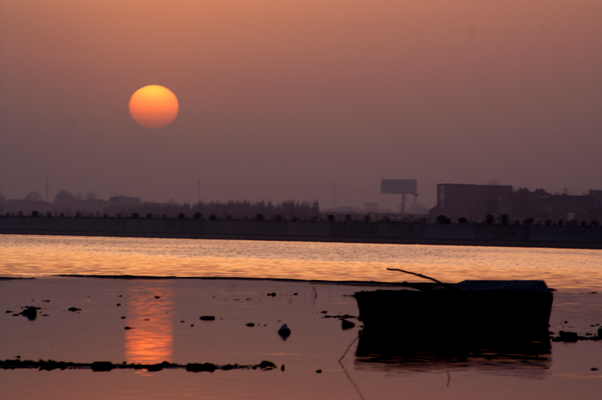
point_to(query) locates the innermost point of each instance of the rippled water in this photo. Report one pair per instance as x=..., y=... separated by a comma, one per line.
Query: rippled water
x=23, y=255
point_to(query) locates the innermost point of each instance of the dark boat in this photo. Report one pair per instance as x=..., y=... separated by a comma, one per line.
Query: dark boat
x=464, y=317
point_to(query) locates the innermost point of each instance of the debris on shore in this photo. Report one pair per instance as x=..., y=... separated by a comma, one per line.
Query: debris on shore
x=571, y=337
x=106, y=366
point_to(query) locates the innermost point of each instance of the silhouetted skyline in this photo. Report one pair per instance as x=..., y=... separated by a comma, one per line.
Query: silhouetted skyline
x=282, y=100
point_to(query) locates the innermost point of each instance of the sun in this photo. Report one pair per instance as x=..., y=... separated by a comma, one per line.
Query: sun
x=154, y=106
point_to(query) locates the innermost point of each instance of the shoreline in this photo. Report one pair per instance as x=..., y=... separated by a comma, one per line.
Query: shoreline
x=214, y=278
x=567, y=236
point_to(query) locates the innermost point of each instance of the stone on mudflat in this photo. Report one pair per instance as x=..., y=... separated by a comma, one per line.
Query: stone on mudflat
x=207, y=367
x=30, y=312
x=101, y=366
x=284, y=332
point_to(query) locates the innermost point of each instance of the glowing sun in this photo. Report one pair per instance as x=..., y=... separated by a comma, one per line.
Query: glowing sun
x=154, y=106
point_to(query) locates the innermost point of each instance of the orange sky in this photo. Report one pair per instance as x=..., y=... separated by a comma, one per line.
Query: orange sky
x=281, y=99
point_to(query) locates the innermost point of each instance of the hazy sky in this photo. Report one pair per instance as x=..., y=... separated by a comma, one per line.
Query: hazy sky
x=282, y=99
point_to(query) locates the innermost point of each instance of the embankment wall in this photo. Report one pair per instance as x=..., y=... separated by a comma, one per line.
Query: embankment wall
x=360, y=232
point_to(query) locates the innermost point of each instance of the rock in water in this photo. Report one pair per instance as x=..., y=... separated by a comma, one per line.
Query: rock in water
x=30, y=312
x=284, y=332
x=267, y=365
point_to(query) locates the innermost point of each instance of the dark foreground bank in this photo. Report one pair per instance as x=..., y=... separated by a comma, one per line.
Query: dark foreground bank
x=589, y=237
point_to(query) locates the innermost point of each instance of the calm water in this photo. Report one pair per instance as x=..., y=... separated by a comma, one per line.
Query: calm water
x=165, y=317
x=23, y=255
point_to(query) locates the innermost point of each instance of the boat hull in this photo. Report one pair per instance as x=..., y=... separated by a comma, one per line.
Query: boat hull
x=472, y=317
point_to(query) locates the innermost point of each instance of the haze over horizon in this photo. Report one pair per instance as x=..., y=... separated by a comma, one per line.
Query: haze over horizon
x=282, y=99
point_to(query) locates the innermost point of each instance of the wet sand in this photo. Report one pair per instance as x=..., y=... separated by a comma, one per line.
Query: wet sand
x=164, y=321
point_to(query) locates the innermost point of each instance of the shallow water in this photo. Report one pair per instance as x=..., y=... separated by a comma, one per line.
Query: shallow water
x=164, y=315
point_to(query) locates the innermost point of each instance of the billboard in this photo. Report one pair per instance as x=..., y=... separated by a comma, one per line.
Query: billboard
x=399, y=186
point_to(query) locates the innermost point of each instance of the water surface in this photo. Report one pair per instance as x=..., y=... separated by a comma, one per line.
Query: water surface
x=164, y=315
x=24, y=255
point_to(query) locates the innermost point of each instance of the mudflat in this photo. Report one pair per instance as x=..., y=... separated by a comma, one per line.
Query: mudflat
x=153, y=338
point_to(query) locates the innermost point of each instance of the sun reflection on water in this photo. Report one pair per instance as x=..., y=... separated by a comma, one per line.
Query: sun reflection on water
x=150, y=319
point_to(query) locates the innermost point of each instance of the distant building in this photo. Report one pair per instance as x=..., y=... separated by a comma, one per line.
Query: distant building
x=371, y=207
x=471, y=201
x=474, y=202
x=595, y=201
x=595, y=206
x=25, y=206
x=526, y=204
x=541, y=205
x=124, y=201
x=567, y=207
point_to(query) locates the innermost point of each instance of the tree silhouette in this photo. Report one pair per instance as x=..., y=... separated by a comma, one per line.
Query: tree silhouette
x=442, y=219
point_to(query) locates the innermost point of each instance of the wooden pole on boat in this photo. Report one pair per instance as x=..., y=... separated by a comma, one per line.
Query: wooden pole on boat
x=414, y=273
